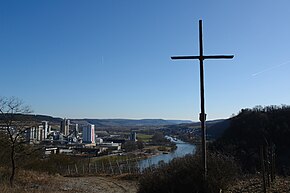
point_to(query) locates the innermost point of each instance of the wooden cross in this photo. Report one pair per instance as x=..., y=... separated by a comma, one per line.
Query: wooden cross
x=202, y=115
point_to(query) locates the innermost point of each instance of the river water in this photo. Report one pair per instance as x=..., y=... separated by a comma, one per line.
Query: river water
x=182, y=149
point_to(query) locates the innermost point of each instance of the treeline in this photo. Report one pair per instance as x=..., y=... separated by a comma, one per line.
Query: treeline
x=254, y=128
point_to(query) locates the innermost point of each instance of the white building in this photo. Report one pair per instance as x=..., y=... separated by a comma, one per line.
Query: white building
x=89, y=134
x=38, y=133
x=99, y=140
x=35, y=134
x=111, y=146
x=46, y=129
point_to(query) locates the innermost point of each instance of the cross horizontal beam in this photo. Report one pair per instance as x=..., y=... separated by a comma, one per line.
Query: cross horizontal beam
x=203, y=57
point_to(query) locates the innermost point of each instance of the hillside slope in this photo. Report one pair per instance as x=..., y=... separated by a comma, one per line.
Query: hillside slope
x=253, y=128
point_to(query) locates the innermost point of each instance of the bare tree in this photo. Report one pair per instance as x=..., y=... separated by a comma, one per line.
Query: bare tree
x=14, y=122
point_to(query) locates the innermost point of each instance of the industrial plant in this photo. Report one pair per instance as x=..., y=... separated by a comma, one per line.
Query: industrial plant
x=74, y=139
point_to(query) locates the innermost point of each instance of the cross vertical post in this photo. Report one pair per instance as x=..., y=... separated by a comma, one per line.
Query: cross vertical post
x=202, y=115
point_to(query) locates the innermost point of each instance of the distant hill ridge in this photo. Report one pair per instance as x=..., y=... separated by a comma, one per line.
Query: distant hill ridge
x=130, y=122
x=109, y=122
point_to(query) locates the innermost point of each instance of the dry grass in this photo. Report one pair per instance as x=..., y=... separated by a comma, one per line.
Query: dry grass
x=28, y=181
x=253, y=184
x=130, y=177
x=7, y=189
x=36, y=182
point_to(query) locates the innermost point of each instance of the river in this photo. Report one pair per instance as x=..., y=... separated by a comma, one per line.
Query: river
x=182, y=149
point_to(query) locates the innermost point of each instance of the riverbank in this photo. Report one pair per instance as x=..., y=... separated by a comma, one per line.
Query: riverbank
x=182, y=149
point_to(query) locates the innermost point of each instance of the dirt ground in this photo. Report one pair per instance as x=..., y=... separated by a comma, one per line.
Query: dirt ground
x=60, y=184
x=34, y=182
x=96, y=184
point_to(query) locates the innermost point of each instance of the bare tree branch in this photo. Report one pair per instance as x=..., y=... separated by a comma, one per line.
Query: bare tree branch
x=13, y=123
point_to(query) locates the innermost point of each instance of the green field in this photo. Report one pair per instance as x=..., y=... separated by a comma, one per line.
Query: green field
x=144, y=137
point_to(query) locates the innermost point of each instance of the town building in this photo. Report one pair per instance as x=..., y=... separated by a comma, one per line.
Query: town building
x=133, y=136
x=37, y=133
x=89, y=134
x=64, y=126
x=46, y=129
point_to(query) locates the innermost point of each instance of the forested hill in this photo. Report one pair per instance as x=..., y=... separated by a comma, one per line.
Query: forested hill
x=36, y=118
x=252, y=128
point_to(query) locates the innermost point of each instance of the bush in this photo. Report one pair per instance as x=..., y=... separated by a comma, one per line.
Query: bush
x=186, y=175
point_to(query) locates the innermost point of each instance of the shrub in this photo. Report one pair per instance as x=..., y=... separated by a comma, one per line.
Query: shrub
x=186, y=175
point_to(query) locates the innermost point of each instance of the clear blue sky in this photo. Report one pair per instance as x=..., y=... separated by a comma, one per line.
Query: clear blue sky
x=111, y=58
